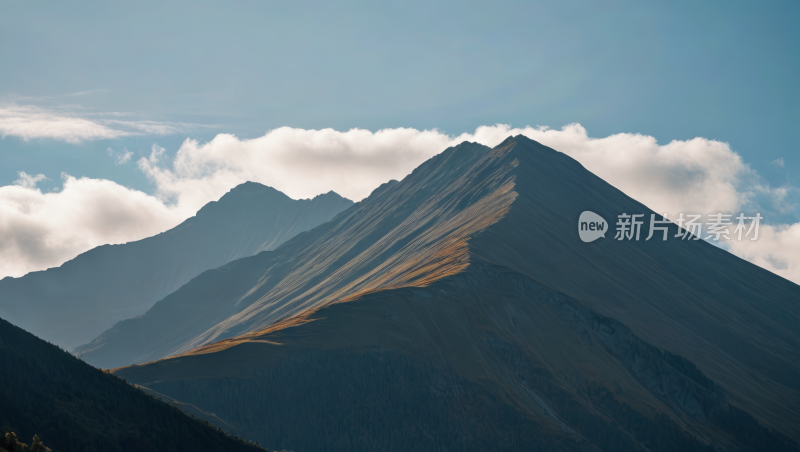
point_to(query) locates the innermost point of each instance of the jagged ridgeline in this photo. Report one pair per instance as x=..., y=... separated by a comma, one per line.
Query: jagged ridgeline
x=72, y=304
x=73, y=407
x=458, y=309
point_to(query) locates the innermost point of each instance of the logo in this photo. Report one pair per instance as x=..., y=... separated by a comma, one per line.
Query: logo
x=631, y=227
x=591, y=226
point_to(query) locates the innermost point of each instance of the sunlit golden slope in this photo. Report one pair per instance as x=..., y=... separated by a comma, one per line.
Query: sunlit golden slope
x=408, y=234
x=432, y=242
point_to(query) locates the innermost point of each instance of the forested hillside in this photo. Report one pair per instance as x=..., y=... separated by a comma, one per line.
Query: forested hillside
x=73, y=407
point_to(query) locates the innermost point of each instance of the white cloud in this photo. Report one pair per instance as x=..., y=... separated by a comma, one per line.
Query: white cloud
x=150, y=127
x=779, y=162
x=29, y=122
x=301, y=163
x=28, y=181
x=777, y=250
x=680, y=176
x=120, y=157
x=42, y=230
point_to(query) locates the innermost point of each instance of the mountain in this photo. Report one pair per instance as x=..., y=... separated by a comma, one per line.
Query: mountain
x=72, y=406
x=458, y=309
x=72, y=304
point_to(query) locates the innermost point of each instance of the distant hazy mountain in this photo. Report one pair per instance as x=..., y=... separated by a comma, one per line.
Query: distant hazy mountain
x=459, y=310
x=72, y=304
x=74, y=407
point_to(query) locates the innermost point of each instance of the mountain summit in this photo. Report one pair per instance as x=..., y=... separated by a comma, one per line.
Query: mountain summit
x=72, y=304
x=458, y=308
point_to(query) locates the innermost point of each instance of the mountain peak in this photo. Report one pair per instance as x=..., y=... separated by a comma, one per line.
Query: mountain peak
x=521, y=142
x=250, y=188
x=242, y=196
x=72, y=304
x=331, y=195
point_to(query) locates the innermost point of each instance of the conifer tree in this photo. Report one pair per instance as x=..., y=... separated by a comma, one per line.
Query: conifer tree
x=38, y=446
x=13, y=444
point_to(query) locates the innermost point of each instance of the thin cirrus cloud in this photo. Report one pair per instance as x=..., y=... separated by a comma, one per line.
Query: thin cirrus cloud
x=29, y=122
x=693, y=175
x=120, y=157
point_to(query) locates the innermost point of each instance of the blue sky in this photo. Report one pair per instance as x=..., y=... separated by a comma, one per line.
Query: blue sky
x=163, y=72
x=674, y=70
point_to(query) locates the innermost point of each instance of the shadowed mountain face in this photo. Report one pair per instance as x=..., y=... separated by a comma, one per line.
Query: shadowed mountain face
x=74, y=407
x=72, y=304
x=459, y=308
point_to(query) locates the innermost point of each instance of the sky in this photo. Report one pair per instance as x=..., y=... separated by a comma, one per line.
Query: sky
x=119, y=120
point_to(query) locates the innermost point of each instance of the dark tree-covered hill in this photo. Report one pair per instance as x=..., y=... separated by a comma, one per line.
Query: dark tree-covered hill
x=74, y=407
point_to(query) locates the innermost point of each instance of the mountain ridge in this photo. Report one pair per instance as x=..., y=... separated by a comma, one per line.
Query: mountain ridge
x=73, y=303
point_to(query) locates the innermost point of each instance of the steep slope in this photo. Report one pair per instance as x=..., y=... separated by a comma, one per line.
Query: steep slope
x=74, y=303
x=459, y=306
x=75, y=407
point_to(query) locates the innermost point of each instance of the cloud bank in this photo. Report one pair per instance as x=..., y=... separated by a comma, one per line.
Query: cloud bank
x=301, y=163
x=697, y=175
x=41, y=230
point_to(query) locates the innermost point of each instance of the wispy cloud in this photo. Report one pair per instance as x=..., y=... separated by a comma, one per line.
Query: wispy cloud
x=16, y=98
x=120, y=157
x=30, y=122
x=778, y=162
x=28, y=181
x=84, y=93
